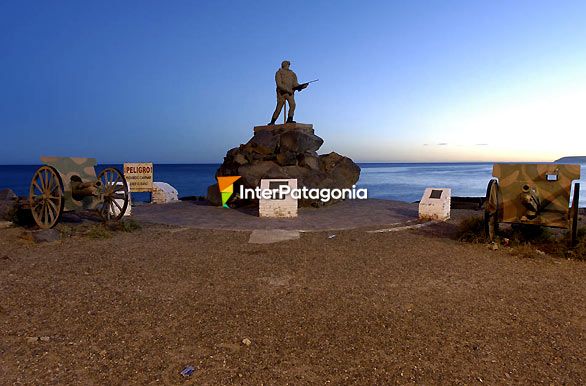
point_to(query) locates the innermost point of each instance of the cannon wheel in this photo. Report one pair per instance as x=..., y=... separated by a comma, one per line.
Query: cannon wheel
x=114, y=188
x=574, y=214
x=491, y=209
x=46, y=197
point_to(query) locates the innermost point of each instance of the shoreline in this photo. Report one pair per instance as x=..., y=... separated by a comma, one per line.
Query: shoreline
x=402, y=182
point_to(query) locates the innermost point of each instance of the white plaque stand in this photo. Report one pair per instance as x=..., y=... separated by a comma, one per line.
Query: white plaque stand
x=435, y=204
x=280, y=207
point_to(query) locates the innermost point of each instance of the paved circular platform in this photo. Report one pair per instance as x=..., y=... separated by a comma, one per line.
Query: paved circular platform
x=349, y=214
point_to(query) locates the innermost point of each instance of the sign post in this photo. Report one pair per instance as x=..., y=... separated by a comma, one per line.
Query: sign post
x=139, y=176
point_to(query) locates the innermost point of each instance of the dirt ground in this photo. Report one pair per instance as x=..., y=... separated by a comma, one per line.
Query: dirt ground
x=414, y=306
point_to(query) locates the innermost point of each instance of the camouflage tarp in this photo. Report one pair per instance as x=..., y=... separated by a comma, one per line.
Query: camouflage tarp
x=74, y=166
x=535, y=193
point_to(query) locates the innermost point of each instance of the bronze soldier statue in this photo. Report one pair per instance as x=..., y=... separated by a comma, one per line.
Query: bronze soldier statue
x=286, y=86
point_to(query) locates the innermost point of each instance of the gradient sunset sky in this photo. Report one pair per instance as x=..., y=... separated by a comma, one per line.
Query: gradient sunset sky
x=400, y=81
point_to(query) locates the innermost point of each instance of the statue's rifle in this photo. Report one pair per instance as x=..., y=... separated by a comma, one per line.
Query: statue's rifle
x=304, y=85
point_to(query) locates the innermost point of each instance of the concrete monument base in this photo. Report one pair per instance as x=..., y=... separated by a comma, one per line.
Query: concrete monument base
x=286, y=151
x=278, y=129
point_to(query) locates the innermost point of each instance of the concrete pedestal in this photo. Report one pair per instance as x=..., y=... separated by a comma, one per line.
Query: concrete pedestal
x=278, y=129
x=435, y=204
x=285, y=206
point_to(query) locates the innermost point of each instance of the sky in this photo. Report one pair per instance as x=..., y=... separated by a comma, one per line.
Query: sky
x=399, y=81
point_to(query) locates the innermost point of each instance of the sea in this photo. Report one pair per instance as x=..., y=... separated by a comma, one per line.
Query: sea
x=391, y=181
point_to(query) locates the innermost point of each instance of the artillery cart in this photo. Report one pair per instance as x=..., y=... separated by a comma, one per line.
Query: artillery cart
x=70, y=184
x=536, y=194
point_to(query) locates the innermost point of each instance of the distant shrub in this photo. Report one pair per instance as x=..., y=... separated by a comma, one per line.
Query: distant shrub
x=98, y=231
x=471, y=229
x=524, y=240
x=65, y=230
x=124, y=226
x=579, y=251
x=526, y=233
x=581, y=233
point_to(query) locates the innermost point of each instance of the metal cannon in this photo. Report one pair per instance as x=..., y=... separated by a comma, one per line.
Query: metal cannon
x=70, y=184
x=537, y=194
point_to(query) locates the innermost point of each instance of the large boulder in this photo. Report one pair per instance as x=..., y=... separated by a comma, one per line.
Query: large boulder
x=7, y=194
x=163, y=193
x=8, y=204
x=252, y=173
x=341, y=169
x=300, y=142
x=286, y=151
x=214, y=196
x=309, y=161
x=263, y=142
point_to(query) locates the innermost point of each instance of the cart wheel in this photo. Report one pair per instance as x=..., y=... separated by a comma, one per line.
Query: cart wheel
x=46, y=197
x=115, y=194
x=491, y=210
x=574, y=214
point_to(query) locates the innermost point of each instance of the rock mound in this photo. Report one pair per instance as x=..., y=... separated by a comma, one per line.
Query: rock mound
x=286, y=151
x=8, y=205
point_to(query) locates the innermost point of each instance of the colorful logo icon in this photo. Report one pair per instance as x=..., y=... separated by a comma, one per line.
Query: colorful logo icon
x=226, y=185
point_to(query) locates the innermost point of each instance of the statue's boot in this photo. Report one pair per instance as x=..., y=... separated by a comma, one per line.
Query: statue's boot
x=290, y=120
x=272, y=122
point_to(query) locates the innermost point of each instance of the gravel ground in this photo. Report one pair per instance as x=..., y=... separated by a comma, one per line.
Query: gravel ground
x=367, y=308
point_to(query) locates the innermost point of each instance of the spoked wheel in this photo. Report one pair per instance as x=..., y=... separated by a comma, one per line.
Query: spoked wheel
x=574, y=215
x=115, y=194
x=491, y=210
x=46, y=197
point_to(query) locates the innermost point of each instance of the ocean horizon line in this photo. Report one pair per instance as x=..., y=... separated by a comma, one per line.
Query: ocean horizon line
x=358, y=162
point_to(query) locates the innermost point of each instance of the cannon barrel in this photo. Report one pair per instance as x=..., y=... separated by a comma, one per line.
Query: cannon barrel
x=80, y=189
x=531, y=201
